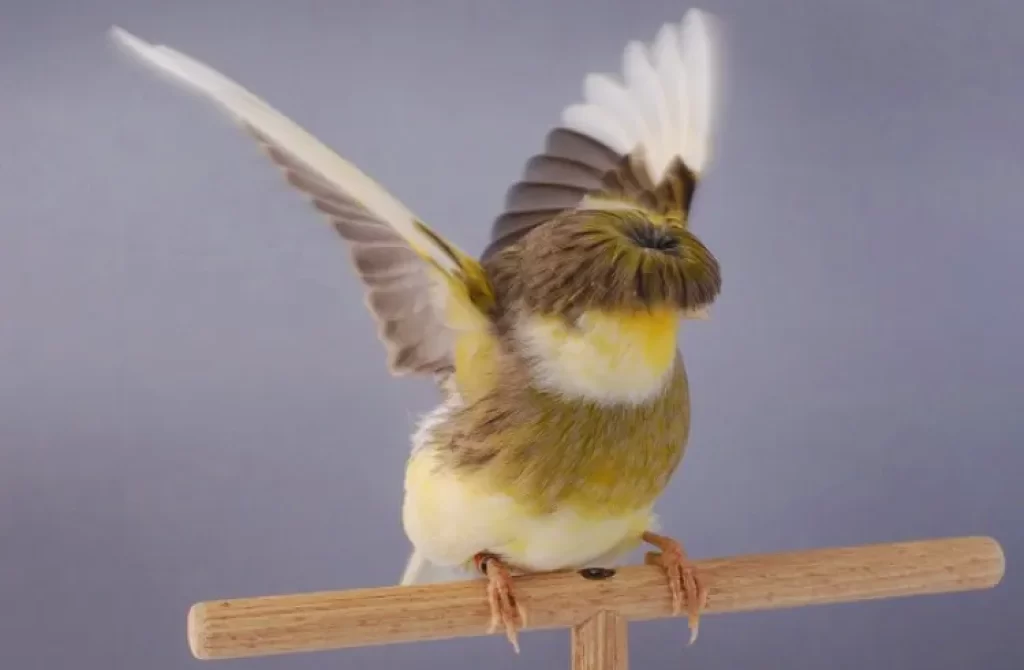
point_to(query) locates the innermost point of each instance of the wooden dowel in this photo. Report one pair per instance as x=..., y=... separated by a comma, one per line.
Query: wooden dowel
x=361, y=617
x=601, y=643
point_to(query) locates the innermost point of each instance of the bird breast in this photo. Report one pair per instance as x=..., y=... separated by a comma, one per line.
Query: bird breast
x=606, y=357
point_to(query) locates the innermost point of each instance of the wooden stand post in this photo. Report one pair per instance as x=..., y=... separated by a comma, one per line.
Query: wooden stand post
x=601, y=643
x=596, y=611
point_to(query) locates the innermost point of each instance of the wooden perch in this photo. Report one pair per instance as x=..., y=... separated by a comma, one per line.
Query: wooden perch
x=598, y=610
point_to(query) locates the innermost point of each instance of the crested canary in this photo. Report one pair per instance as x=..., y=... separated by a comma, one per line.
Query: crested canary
x=564, y=404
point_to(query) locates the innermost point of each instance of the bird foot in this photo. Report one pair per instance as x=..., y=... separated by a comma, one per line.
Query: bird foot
x=686, y=587
x=504, y=608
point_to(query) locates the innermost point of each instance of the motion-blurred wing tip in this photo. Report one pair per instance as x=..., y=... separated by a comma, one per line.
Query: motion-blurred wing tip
x=125, y=40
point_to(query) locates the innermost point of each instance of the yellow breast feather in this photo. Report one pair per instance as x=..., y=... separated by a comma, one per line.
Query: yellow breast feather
x=606, y=356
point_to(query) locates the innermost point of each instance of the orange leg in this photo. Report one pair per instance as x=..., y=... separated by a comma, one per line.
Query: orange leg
x=504, y=608
x=682, y=578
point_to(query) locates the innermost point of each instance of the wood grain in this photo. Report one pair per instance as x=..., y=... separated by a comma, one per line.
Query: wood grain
x=393, y=614
x=601, y=643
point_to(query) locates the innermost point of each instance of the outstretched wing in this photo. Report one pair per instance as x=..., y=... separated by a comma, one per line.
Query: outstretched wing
x=643, y=142
x=423, y=292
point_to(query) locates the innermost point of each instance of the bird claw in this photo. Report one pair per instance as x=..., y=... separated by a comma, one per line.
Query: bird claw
x=505, y=610
x=686, y=587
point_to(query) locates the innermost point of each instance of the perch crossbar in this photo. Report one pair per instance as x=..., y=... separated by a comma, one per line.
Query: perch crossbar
x=597, y=611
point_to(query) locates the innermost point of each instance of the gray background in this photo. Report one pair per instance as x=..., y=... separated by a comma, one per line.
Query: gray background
x=193, y=403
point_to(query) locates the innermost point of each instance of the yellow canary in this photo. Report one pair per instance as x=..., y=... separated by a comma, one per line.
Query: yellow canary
x=565, y=407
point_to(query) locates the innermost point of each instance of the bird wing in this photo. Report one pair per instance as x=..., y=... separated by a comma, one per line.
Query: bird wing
x=642, y=142
x=429, y=299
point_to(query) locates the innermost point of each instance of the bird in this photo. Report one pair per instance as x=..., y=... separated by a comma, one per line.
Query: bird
x=564, y=403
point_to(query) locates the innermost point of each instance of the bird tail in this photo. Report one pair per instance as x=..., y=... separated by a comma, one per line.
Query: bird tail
x=419, y=570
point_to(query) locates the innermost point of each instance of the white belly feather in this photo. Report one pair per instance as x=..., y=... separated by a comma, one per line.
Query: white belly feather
x=449, y=519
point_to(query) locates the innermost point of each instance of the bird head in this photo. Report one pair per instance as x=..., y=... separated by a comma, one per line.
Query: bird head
x=608, y=260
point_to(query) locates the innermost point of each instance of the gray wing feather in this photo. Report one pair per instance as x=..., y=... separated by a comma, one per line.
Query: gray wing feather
x=571, y=166
x=398, y=289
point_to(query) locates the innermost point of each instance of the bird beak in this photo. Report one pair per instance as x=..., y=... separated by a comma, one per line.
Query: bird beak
x=702, y=314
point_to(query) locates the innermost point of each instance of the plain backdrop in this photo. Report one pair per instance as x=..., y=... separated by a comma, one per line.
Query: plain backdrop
x=193, y=403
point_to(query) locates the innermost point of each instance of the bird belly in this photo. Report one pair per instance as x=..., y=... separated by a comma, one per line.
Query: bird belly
x=449, y=517
x=567, y=539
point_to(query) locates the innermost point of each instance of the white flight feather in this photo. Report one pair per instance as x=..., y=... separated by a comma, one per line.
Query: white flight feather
x=247, y=108
x=668, y=62
x=600, y=124
x=610, y=95
x=643, y=83
x=664, y=106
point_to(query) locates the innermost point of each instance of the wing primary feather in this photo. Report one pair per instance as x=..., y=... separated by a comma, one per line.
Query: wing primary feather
x=276, y=129
x=639, y=140
x=570, y=144
x=663, y=109
x=546, y=195
x=420, y=287
x=545, y=169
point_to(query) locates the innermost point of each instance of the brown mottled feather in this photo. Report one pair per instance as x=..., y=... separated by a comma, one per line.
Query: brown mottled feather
x=398, y=289
x=550, y=450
